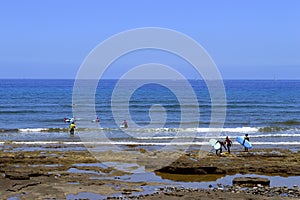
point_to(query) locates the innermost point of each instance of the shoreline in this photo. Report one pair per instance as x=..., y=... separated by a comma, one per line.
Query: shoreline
x=55, y=171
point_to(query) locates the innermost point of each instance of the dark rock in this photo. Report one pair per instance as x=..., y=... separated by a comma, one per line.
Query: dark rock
x=126, y=193
x=191, y=170
x=250, y=181
x=17, y=176
x=20, y=156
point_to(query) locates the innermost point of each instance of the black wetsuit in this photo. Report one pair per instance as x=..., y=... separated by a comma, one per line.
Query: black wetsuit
x=222, y=145
x=248, y=139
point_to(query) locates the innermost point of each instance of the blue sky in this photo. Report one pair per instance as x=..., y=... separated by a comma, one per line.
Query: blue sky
x=249, y=39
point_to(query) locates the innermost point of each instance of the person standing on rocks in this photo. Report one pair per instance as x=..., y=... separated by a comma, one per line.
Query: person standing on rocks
x=219, y=151
x=229, y=143
x=248, y=139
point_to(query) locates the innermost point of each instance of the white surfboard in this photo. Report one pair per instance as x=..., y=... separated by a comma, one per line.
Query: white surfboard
x=215, y=143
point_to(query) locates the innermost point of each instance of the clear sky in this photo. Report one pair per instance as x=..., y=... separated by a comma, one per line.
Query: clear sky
x=247, y=39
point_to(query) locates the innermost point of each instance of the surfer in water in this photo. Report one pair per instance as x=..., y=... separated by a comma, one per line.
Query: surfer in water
x=72, y=128
x=248, y=139
x=125, y=124
x=229, y=143
x=219, y=151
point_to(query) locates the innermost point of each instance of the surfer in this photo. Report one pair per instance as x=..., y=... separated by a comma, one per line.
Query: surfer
x=219, y=151
x=68, y=120
x=248, y=139
x=229, y=143
x=124, y=124
x=72, y=128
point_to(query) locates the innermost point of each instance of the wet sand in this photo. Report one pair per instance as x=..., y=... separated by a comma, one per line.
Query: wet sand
x=60, y=172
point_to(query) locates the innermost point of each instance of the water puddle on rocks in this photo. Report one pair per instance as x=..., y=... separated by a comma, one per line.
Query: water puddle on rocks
x=85, y=195
x=82, y=171
x=157, y=181
x=100, y=165
x=49, y=165
x=126, y=167
x=203, y=181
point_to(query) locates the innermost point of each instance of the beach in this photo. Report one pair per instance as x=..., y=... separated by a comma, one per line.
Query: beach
x=59, y=171
x=150, y=100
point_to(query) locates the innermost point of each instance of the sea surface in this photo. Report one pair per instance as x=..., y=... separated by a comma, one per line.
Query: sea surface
x=33, y=110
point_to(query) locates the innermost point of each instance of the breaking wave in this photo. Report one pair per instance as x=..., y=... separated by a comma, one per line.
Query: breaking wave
x=266, y=129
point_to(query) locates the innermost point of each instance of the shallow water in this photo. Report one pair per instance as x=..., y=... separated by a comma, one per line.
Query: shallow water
x=186, y=181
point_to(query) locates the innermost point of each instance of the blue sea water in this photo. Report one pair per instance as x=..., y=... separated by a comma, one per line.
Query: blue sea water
x=268, y=110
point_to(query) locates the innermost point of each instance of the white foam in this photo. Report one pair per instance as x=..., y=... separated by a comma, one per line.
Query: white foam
x=169, y=130
x=214, y=136
x=232, y=130
x=32, y=129
x=276, y=135
x=200, y=130
x=275, y=143
x=37, y=142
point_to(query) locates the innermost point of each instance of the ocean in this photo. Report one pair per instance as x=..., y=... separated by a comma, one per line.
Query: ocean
x=33, y=110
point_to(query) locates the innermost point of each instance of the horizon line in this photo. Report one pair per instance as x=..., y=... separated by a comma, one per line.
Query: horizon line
x=224, y=79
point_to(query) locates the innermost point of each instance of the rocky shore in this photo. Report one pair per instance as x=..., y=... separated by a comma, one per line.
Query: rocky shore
x=260, y=161
x=224, y=192
x=54, y=172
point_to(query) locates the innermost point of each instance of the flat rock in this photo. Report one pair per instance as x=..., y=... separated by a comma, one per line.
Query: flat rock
x=250, y=181
x=17, y=176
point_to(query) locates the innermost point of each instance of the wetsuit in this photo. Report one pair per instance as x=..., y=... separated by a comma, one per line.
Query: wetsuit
x=248, y=139
x=72, y=128
x=229, y=143
x=222, y=145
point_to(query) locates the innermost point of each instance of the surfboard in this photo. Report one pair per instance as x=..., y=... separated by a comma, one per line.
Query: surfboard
x=68, y=119
x=71, y=119
x=214, y=143
x=246, y=144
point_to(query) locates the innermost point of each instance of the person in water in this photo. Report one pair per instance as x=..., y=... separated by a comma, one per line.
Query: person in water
x=228, y=143
x=97, y=119
x=219, y=151
x=125, y=124
x=248, y=139
x=72, y=128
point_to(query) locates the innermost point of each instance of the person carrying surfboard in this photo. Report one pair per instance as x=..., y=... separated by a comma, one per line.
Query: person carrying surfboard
x=228, y=143
x=248, y=139
x=219, y=151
